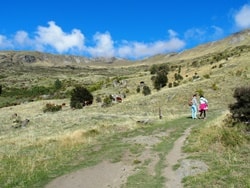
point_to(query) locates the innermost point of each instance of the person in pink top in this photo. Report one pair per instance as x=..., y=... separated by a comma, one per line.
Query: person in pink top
x=203, y=107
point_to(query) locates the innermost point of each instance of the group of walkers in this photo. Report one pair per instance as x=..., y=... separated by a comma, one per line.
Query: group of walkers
x=202, y=106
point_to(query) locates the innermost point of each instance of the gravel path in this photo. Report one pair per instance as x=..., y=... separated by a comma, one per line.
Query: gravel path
x=114, y=175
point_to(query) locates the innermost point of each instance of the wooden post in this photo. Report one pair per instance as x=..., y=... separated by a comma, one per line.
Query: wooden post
x=160, y=114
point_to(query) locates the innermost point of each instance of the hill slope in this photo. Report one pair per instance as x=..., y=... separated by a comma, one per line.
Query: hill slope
x=219, y=67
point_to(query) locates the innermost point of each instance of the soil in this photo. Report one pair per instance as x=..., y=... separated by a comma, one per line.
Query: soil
x=114, y=175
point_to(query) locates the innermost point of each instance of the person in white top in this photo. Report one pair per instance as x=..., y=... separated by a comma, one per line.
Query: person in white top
x=203, y=107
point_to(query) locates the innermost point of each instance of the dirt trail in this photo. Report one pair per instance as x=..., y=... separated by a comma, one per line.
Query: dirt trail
x=105, y=174
x=114, y=175
x=173, y=178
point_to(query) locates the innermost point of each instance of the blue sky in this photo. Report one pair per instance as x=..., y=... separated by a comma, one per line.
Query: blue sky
x=132, y=29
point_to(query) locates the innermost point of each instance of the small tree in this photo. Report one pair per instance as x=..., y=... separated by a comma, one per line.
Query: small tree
x=79, y=96
x=1, y=89
x=160, y=80
x=58, y=84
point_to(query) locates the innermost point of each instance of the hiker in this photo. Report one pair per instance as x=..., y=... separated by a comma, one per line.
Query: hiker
x=203, y=107
x=194, y=107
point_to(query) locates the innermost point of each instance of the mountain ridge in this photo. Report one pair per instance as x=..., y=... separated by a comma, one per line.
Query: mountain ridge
x=12, y=58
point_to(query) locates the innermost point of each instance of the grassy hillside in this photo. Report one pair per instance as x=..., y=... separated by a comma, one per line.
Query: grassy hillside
x=56, y=136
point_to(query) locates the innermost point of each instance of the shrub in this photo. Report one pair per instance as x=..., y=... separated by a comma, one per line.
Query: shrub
x=138, y=89
x=107, y=101
x=214, y=86
x=96, y=86
x=146, y=90
x=200, y=92
x=238, y=73
x=153, y=69
x=179, y=70
x=163, y=68
x=52, y=107
x=220, y=65
x=207, y=76
x=38, y=90
x=176, y=83
x=98, y=99
x=58, y=84
x=241, y=108
x=79, y=96
x=196, y=76
x=177, y=76
x=195, y=64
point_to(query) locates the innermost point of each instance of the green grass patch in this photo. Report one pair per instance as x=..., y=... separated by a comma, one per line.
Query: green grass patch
x=144, y=180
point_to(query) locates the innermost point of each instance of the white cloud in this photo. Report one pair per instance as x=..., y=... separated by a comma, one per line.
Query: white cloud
x=242, y=17
x=54, y=37
x=104, y=45
x=139, y=50
x=4, y=42
x=172, y=33
x=126, y=50
x=218, y=32
x=195, y=34
x=22, y=39
x=200, y=35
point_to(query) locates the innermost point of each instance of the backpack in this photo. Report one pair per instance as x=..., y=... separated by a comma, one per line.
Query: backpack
x=190, y=102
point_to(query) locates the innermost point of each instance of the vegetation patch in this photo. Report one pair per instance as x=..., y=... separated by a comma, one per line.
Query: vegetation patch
x=225, y=149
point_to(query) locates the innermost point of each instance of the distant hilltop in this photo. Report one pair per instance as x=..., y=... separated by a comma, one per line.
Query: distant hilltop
x=15, y=58
x=12, y=58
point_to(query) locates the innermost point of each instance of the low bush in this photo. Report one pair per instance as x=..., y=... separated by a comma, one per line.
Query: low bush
x=146, y=90
x=52, y=107
x=79, y=96
x=241, y=108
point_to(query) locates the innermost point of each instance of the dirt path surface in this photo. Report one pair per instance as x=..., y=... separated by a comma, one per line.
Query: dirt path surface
x=105, y=174
x=114, y=175
x=174, y=178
